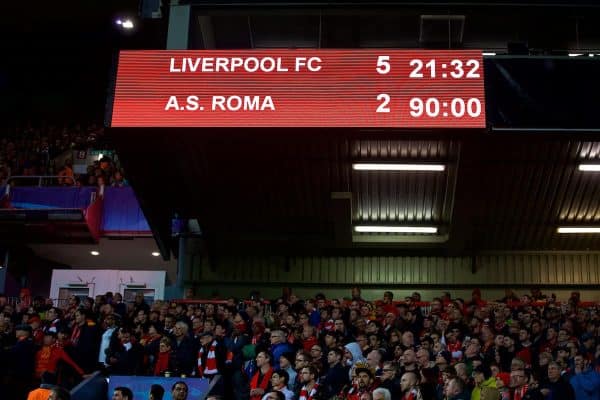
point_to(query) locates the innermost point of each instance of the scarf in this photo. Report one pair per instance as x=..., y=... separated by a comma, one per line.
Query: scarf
x=211, y=361
x=519, y=393
x=162, y=363
x=306, y=395
x=75, y=335
x=263, y=384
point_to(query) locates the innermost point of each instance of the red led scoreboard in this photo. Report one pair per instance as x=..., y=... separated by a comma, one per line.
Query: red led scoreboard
x=300, y=88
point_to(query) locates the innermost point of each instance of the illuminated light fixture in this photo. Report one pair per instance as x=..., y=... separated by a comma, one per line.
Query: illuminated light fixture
x=395, y=229
x=578, y=229
x=155, y=254
x=125, y=23
x=589, y=167
x=488, y=53
x=95, y=253
x=397, y=167
x=575, y=54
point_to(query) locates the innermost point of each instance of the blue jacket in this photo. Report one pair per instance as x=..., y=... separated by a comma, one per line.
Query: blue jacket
x=277, y=350
x=586, y=385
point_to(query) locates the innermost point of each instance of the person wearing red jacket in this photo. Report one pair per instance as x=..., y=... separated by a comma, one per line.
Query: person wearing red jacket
x=47, y=358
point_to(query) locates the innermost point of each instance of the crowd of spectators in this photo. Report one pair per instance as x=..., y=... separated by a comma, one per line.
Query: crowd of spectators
x=529, y=347
x=28, y=150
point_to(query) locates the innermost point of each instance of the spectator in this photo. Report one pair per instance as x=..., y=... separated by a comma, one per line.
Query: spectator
x=48, y=381
x=310, y=387
x=585, y=380
x=184, y=349
x=156, y=392
x=261, y=380
x=279, y=383
x=122, y=393
x=409, y=386
x=485, y=384
x=66, y=177
x=59, y=393
x=49, y=355
x=179, y=391
x=557, y=387
x=85, y=340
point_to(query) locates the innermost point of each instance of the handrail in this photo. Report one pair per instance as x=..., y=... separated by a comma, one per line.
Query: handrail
x=39, y=178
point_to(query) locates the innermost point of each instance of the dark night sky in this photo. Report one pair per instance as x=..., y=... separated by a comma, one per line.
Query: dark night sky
x=57, y=56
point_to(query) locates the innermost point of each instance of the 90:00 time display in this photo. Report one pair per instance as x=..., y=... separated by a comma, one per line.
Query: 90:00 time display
x=432, y=107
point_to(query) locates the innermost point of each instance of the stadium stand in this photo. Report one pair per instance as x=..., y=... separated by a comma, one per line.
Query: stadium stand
x=312, y=348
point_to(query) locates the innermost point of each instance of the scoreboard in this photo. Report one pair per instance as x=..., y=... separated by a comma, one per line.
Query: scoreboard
x=300, y=88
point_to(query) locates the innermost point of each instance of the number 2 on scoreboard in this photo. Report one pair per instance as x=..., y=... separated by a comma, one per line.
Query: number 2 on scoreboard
x=384, y=99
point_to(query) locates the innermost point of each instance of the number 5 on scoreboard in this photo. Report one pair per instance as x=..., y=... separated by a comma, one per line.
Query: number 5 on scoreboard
x=383, y=65
x=384, y=99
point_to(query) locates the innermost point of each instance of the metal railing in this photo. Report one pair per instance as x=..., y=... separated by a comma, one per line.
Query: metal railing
x=42, y=180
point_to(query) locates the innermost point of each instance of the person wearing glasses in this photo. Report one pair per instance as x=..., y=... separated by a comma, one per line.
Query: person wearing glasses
x=310, y=388
x=389, y=379
x=303, y=359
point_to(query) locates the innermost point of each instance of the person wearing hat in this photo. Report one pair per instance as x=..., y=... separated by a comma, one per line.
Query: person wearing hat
x=503, y=385
x=485, y=384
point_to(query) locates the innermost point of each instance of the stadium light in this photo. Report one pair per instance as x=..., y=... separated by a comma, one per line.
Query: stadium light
x=578, y=229
x=589, y=167
x=395, y=229
x=95, y=253
x=398, y=167
x=155, y=254
x=125, y=23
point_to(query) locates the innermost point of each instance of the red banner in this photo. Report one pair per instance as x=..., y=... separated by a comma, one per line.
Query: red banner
x=300, y=88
